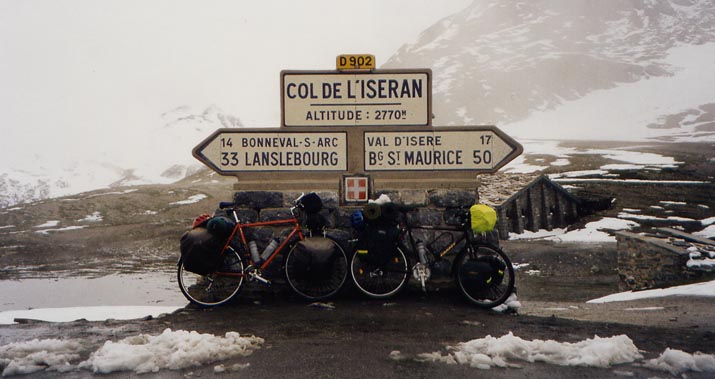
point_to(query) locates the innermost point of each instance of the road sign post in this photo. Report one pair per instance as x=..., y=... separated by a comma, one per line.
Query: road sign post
x=373, y=128
x=482, y=149
x=232, y=151
x=356, y=98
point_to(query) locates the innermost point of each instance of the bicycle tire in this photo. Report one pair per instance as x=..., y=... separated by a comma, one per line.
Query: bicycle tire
x=314, y=280
x=495, y=293
x=216, y=288
x=380, y=281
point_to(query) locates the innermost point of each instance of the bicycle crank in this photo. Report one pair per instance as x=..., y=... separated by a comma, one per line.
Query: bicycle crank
x=255, y=274
x=421, y=273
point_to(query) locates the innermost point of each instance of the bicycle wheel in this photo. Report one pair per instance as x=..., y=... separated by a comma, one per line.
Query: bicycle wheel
x=380, y=281
x=484, y=274
x=216, y=288
x=316, y=268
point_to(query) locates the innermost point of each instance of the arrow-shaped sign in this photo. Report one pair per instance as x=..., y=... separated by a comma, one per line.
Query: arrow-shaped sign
x=482, y=149
x=230, y=151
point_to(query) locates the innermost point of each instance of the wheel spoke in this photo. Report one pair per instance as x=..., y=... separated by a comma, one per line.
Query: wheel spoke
x=216, y=288
x=379, y=281
x=314, y=278
x=485, y=275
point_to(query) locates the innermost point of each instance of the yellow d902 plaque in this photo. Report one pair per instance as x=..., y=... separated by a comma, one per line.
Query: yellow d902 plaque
x=355, y=62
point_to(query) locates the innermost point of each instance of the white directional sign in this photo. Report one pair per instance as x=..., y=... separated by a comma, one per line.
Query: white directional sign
x=480, y=149
x=368, y=98
x=230, y=151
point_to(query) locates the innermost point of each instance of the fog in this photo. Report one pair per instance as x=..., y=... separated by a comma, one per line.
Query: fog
x=83, y=77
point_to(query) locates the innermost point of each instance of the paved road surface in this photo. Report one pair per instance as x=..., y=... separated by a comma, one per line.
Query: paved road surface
x=355, y=338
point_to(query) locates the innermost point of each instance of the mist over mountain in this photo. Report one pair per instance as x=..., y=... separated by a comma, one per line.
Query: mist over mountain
x=552, y=69
x=504, y=62
x=162, y=155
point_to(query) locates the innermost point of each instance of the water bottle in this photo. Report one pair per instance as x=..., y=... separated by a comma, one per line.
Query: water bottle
x=269, y=249
x=253, y=248
x=422, y=252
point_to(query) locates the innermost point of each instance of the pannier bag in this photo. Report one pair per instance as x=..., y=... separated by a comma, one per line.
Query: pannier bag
x=482, y=218
x=482, y=273
x=377, y=243
x=201, y=251
x=315, y=257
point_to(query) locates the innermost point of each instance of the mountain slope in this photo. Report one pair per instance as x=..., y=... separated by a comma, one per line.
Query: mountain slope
x=499, y=62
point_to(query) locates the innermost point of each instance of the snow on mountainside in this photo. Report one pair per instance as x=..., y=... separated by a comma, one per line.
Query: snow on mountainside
x=520, y=63
x=161, y=156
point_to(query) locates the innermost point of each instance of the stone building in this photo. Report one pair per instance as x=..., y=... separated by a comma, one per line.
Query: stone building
x=528, y=202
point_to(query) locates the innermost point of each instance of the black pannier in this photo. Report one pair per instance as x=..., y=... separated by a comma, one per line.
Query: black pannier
x=201, y=251
x=314, y=258
x=482, y=273
x=377, y=243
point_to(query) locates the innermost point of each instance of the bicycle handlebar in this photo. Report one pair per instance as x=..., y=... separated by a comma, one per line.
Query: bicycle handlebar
x=231, y=204
x=226, y=204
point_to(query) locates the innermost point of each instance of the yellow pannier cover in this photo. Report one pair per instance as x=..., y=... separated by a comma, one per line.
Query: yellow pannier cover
x=483, y=218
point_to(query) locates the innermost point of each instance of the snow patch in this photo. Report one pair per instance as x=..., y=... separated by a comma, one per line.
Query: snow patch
x=191, y=200
x=173, y=350
x=96, y=313
x=488, y=352
x=94, y=217
x=48, y=224
x=705, y=289
x=677, y=362
x=142, y=353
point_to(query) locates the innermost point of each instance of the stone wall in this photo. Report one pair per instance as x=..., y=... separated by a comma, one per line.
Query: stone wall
x=647, y=262
x=431, y=207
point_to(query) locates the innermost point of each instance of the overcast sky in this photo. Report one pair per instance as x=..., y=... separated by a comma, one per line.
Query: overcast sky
x=106, y=70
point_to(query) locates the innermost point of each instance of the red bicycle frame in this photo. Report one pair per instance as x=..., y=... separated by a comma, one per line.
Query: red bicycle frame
x=241, y=226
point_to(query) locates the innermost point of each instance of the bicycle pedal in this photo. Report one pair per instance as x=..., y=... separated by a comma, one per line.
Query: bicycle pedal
x=261, y=279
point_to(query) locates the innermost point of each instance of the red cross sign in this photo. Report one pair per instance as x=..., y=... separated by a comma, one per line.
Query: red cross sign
x=356, y=188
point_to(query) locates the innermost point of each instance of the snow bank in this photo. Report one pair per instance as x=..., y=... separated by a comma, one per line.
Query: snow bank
x=171, y=349
x=488, y=352
x=592, y=232
x=31, y=356
x=141, y=353
x=485, y=353
x=708, y=232
x=706, y=289
x=97, y=313
x=677, y=362
x=181, y=349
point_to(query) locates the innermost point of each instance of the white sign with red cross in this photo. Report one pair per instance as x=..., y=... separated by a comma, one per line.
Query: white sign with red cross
x=356, y=188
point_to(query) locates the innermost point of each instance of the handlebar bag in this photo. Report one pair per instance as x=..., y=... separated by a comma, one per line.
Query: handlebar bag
x=201, y=251
x=311, y=203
